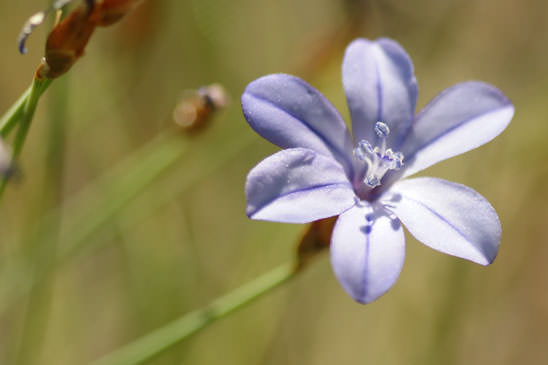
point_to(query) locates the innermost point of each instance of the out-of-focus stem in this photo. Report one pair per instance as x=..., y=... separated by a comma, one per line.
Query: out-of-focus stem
x=94, y=206
x=100, y=201
x=312, y=242
x=38, y=303
x=441, y=349
x=90, y=209
x=163, y=338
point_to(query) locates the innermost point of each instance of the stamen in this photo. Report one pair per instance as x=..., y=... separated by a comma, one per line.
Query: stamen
x=382, y=129
x=379, y=160
x=372, y=181
x=363, y=150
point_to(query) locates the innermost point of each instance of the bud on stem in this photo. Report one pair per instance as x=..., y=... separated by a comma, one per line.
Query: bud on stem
x=66, y=43
x=314, y=241
x=68, y=38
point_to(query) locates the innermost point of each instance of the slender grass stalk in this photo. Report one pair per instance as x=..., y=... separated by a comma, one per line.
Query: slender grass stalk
x=92, y=208
x=37, y=88
x=16, y=112
x=22, y=113
x=111, y=193
x=96, y=205
x=169, y=335
x=441, y=349
x=37, y=310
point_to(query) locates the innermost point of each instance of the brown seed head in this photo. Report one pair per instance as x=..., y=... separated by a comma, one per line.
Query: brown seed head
x=68, y=39
x=194, y=111
x=108, y=12
x=66, y=43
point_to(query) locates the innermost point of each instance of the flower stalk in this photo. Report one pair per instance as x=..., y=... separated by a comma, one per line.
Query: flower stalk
x=173, y=333
x=38, y=304
x=22, y=106
x=314, y=240
x=22, y=113
x=102, y=200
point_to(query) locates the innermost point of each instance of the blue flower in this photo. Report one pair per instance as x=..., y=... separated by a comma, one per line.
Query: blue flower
x=323, y=171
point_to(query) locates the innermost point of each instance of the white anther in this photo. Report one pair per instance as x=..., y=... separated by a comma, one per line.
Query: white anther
x=382, y=129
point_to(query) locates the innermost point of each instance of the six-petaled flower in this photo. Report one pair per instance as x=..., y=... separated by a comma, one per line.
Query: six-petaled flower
x=323, y=172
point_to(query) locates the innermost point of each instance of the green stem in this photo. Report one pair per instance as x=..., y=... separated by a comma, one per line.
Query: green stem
x=165, y=337
x=441, y=349
x=37, y=310
x=96, y=205
x=14, y=114
x=36, y=90
x=101, y=201
x=89, y=210
x=17, y=111
x=22, y=112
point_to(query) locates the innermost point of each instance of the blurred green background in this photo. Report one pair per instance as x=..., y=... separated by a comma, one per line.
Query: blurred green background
x=186, y=240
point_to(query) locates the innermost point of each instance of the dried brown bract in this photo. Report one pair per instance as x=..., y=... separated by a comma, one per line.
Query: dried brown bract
x=109, y=12
x=66, y=43
x=194, y=111
x=68, y=39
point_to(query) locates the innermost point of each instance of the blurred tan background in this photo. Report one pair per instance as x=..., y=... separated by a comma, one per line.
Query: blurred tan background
x=154, y=262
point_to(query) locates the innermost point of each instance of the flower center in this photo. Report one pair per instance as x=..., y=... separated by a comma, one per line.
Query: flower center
x=379, y=160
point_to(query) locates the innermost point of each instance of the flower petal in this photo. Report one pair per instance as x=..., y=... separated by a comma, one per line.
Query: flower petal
x=297, y=185
x=459, y=119
x=290, y=113
x=367, y=252
x=448, y=217
x=380, y=85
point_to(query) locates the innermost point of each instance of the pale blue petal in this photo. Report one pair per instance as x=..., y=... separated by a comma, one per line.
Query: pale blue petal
x=448, y=217
x=290, y=113
x=297, y=185
x=459, y=119
x=380, y=85
x=367, y=252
